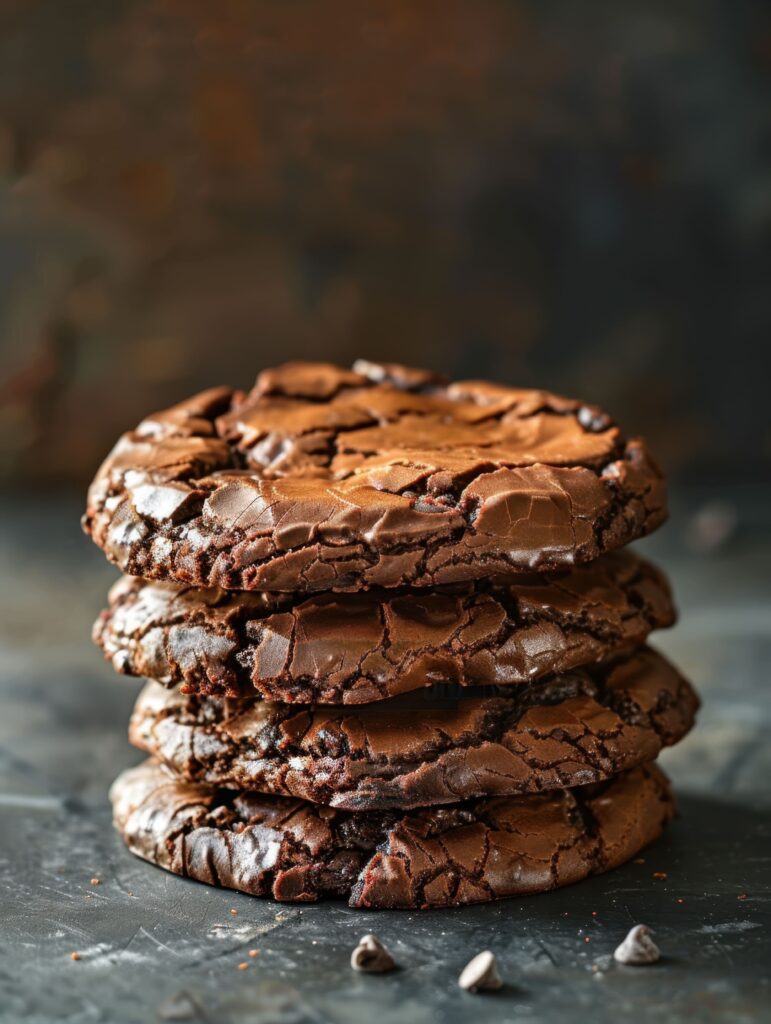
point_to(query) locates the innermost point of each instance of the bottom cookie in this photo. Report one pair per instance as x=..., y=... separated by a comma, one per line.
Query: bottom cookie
x=469, y=853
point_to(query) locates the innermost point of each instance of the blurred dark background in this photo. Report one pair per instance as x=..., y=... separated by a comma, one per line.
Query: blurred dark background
x=571, y=195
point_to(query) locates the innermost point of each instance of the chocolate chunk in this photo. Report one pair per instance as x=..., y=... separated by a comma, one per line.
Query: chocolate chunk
x=470, y=853
x=426, y=748
x=357, y=648
x=331, y=479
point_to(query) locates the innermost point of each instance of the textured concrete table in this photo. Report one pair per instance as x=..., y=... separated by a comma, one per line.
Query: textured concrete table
x=153, y=946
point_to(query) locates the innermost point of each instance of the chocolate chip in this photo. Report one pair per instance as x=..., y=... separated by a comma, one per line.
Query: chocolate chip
x=481, y=974
x=638, y=948
x=180, y=1006
x=371, y=956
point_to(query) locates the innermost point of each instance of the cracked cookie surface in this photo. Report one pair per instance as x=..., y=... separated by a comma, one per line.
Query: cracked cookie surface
x=363, y=647
x=427, y=748
x=323, y=478
x=470, y=853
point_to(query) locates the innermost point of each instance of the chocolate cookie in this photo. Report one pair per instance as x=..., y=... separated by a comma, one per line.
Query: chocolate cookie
x=425, y=749
x=470, y=853
x=357, y=648
x=329, y=479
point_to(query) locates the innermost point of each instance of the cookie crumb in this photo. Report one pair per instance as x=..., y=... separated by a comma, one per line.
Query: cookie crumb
x=254, y=952
x=234, y=912
x=243, y=966
x=96, y=881
x=74, y=956
x=680, y=899
x=742, y=896
x=639, y=860
x=638, y=948
x=660, y=876
x=481, y=974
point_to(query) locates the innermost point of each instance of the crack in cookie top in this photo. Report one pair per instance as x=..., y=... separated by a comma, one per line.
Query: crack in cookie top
x=323, y=478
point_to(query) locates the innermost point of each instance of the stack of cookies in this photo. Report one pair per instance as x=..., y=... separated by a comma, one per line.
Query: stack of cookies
x=395, y=652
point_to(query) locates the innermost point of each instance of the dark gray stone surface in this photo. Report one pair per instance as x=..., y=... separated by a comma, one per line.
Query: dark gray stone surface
x=145, y=936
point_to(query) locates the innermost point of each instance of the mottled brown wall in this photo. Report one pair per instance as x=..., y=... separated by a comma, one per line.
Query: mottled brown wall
x=570, y=194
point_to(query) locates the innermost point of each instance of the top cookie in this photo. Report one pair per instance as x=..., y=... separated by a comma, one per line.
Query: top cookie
x=323, y=478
